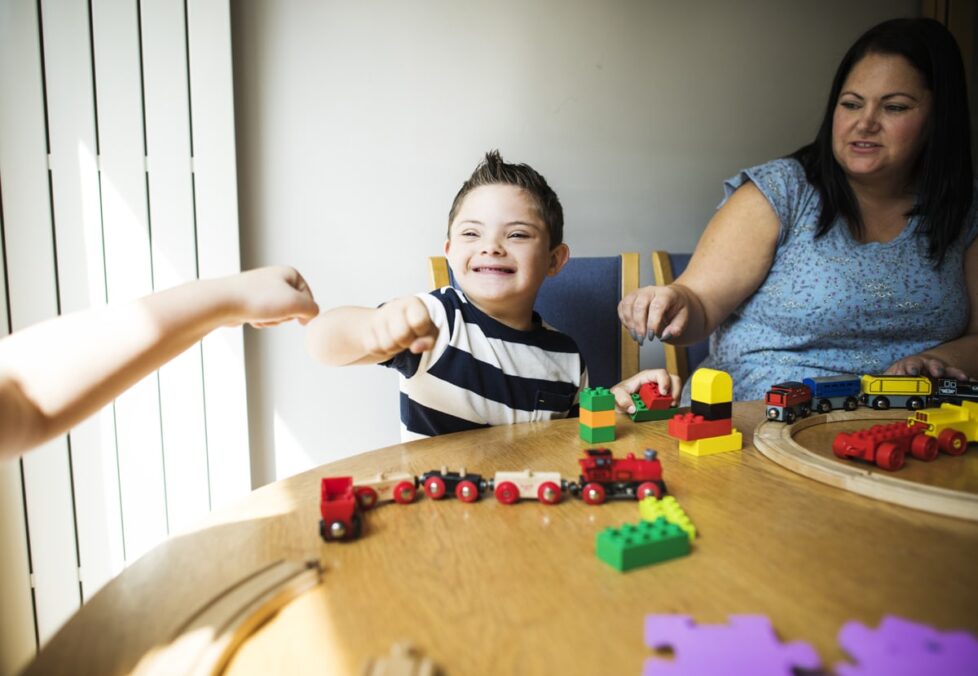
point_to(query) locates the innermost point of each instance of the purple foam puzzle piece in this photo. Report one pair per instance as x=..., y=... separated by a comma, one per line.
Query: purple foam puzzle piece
x=900, y=647
x=746, y=645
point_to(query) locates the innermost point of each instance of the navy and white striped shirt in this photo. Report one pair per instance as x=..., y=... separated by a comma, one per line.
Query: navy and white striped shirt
x=482, y=372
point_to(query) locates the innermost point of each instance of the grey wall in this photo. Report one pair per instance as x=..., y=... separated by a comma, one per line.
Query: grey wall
x=358, y=121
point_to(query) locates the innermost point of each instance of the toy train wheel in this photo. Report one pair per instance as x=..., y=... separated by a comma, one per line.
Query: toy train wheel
x=466, y=491
x=507, y=493
x=923, y=447
x=366, y=496
x=434, y=487
x=593, y=494
x=804, y=411
x=881, y=403
x=851, y=404
x=915, y=404
x=789, y=415
x=648, y=489
x=548, y=493
x=952, y=442
x=824, y=406
x=889, y=457
x=404, y=493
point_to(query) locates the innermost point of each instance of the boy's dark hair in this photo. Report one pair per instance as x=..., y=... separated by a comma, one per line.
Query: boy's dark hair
x=944, y=175
x=494, y=171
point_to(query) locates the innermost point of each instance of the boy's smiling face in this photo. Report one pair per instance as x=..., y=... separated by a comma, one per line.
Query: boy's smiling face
x=499, y=250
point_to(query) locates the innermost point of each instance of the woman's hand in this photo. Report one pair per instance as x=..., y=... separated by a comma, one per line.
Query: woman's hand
x=924, y=365
x=655, y=312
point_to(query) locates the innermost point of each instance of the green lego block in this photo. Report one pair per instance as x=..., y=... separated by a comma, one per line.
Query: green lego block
x=596, y=435
x=642, y=544
x=597, y=399
x=668, y=508
x=643, y=414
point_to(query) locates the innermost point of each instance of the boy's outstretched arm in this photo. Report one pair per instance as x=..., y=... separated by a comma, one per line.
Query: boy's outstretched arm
x=668, y=384
x=358, y=335
x=56, y=373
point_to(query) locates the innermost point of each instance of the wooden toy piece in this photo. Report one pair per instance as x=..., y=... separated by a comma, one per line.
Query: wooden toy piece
x=399, y=487
x=403, y=660
x=340, y=510
x=899, y=646
x=465, y=486
x=207, y=640
x=603, y=476
x=547, y=487
x=833, y=392
x=883, y=392
x=746, y=645
x=788, y=401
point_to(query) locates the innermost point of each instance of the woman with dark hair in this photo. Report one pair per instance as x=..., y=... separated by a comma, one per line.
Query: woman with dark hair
x=855, y=254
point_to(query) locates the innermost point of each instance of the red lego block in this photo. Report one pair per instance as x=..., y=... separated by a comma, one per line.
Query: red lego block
x=690, y=427
x=649, y=393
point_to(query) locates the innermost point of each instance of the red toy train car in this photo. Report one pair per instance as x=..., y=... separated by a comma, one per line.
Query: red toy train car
x=340, y=510
x=603, y=476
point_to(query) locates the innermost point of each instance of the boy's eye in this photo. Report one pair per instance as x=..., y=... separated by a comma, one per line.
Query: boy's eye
x=518, y=234
x=468, y=233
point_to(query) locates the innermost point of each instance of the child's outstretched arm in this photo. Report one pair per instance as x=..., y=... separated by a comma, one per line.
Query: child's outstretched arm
x=668, y=384
x=58, y=372
x=358, y=335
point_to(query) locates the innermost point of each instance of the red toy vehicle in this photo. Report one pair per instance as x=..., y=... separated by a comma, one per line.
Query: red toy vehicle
x=603, y=476
x=787, y=401
x=887, y=445
x=340, y=510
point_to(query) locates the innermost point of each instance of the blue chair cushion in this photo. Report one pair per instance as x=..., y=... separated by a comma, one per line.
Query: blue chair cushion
x=582, y=301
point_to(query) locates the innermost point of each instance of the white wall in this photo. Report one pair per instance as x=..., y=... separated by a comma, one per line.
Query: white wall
x=358, y=121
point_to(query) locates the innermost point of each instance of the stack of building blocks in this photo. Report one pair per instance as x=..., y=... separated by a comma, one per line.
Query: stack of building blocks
x=747, y=645
x=667, y=508
x=708, y=427
x=651, y=405
x=641, y=544
x=597, y=424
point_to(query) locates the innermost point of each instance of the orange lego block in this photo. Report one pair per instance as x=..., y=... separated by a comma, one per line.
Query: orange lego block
x=597, y=418
x=712, y=445
x=689, y=427
x=653, y=400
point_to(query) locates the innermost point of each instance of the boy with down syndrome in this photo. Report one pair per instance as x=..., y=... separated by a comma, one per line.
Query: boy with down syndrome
x=478, y=355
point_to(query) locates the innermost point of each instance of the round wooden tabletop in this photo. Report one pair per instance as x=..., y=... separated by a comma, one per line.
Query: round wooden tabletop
x=490, y=588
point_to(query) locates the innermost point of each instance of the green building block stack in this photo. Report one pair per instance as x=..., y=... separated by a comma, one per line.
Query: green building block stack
x=667, y=508
x=597, y=424
x=641, y=544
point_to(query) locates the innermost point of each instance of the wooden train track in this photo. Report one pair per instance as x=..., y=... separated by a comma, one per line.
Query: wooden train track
x=777, y=442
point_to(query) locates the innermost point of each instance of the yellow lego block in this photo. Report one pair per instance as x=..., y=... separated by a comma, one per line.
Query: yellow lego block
x=712, y=445
x=597, y=418
x=711, y=386
x=651, y=509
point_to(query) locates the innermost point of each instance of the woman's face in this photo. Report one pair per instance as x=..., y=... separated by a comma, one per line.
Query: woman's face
x=881, y=119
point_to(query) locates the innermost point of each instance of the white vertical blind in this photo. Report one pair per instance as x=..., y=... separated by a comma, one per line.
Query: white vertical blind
x=171, y=203
x=212, y=111
x=81, y=271
x=33, y=297
x=117, y=177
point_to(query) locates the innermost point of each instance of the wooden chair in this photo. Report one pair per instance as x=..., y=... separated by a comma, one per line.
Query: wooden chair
x=681, y=360
x=582, y=301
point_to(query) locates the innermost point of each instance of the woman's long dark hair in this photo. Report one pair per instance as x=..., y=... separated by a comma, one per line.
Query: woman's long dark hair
x=944, y=175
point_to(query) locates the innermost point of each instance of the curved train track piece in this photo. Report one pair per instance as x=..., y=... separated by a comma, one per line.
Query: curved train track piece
x=776, y=442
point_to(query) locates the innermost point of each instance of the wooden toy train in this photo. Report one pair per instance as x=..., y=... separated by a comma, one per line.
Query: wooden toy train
x=788, y=401
x=945, y=417
x=602, y=477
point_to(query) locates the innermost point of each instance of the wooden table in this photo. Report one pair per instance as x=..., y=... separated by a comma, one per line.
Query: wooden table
x=489, y=588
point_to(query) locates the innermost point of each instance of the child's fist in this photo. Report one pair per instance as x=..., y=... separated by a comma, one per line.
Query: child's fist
x=402, y=324
x=668, y=384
